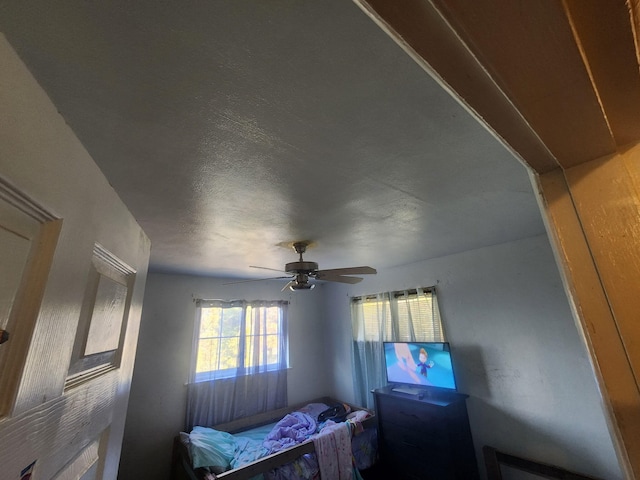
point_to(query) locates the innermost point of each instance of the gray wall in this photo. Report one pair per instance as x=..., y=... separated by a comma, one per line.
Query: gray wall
x=158, y=393
x=517, y=352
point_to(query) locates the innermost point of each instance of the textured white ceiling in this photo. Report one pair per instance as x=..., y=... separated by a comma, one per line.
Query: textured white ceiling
x=231, y=128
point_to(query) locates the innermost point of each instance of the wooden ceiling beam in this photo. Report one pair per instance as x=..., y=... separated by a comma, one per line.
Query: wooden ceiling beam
x=567, y=70
x=421, y=30
x=605, y=35
x=530, y=49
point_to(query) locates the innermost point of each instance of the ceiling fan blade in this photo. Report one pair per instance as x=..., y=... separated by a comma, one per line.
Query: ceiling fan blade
x=337, y=278
x=350, y=271
x=266, y=268
x=253, y=280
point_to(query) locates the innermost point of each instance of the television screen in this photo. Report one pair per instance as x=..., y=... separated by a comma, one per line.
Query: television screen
x=421, y=364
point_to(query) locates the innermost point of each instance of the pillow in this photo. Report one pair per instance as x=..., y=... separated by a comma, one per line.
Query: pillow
x=314, y=409
x=211, y=448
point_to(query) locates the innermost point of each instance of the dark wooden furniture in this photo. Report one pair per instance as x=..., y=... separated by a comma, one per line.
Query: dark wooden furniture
x=425, y=437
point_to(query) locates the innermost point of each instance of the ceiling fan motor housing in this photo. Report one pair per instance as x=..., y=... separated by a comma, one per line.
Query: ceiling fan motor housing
x=301, y=267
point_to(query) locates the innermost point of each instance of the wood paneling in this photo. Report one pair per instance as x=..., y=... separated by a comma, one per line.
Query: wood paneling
x=103, y=318
x=37, y=435
x=606, y=193
x=106, y=319
x=529, y=48
x=50, y=171
x=28, y=237
x=81, y=464
x=604, y=33
x=595, y=316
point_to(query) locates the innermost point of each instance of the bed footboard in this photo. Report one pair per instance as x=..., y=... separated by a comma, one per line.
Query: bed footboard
x=269, y=462
x=180, y=463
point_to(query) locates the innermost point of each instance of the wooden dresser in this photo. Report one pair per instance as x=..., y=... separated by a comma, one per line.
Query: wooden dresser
x=426, y=438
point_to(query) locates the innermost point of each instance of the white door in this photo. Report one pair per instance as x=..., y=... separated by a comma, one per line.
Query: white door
x=73, y=265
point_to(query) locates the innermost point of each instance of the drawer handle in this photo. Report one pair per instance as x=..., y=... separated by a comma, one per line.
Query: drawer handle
x=410, y=444
x=412, y=415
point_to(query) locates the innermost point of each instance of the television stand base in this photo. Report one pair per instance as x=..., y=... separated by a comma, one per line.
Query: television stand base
x=408, y=390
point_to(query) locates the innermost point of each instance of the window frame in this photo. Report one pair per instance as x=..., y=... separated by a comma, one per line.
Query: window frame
x=242, y=368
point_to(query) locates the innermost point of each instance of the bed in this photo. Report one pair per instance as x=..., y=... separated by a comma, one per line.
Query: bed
x=252, y=447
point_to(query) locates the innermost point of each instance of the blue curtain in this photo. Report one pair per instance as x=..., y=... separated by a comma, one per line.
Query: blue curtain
x=408, y=315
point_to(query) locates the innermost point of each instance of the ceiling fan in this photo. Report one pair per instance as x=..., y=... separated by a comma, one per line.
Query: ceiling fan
x=301, y=272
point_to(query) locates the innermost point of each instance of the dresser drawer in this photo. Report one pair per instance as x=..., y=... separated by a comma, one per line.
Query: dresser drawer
x=425, y=438
x=409, y=413
x=429, y=442
x=408, y=462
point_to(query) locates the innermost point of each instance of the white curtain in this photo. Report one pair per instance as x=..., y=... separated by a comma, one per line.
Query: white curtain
x=407, y=316
x=258, y=384
x=220, y=401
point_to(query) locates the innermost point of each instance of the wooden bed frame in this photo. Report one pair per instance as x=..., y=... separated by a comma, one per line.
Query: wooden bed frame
x=182, y=470
x=493, y=459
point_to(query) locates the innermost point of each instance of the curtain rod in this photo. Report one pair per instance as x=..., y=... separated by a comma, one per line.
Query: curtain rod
x=411, y=291
x=248, y=302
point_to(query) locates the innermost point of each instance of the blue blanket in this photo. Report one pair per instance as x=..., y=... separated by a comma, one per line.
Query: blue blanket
x=213, y=448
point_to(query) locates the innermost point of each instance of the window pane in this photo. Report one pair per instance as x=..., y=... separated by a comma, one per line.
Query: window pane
x=417, y=318
x=210, y=322
x=231, y=318
x=404, y=333
x=253, y=353
x=248, y=327
x=207, y=355
x=249, y=352
x=227, y=331
x=377, y=320
x=371, y=323
x=273, y=320
x=261, y=350
x=272, y=349
x=229, y=349
x=255, y=321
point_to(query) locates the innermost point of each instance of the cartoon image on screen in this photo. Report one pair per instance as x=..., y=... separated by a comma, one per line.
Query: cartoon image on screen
x=425, y=364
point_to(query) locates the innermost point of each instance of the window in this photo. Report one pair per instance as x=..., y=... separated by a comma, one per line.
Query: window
x=409, y=315
x=235, y=338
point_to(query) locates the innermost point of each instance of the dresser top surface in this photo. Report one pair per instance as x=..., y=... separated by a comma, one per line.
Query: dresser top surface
x=433, y=397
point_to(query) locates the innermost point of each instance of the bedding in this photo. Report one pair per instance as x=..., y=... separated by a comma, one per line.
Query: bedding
x=294, y=428
x=215, y=451
x=333, y=451
x=211, y=448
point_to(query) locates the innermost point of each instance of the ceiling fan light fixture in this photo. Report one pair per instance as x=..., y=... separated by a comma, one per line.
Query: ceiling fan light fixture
x=301, y=286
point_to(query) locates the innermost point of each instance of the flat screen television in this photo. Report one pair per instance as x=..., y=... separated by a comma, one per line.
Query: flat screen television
x=416, y=367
